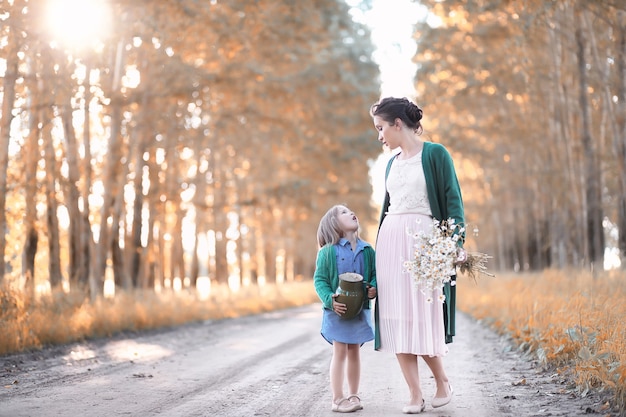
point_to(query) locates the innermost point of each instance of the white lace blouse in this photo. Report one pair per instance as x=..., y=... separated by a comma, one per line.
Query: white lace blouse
x=407, y=187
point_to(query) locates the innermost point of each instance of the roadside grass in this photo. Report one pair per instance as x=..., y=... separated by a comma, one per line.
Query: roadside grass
x=60, y=318
x=570, y=321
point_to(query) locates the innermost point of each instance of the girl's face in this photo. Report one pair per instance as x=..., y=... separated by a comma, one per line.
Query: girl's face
x=348, y=221
x=387, y=134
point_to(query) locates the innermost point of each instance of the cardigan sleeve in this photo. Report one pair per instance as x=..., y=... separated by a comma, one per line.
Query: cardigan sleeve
x=386, y=201
x=371, y=266
x=322, y=277
x=444, y=190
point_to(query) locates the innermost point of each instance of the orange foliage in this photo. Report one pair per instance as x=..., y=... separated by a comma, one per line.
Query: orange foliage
x=566, y=319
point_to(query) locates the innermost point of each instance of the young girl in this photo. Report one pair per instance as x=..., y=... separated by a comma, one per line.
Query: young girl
x=342, y=251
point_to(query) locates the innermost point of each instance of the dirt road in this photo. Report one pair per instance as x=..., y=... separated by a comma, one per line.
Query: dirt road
x=274, y=364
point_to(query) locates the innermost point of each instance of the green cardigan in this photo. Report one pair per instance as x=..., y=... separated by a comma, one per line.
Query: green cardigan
x=444, y=196
x=326, y=276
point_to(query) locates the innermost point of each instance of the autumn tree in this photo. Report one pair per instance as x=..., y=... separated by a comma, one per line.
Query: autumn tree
x=232, y=123
x=525, y=98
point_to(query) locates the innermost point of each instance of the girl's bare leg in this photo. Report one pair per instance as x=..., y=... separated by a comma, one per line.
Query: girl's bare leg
x=337, y=366
x=353, y=369
x=408, y=364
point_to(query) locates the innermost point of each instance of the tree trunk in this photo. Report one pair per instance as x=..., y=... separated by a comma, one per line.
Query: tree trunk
x=220, y=223
x=619, y=141
x=149, y=267
x=54, y=247
x=269, y=249
x=31, y=158
x=110, y=185
x=177, y=260
x=595, y=232
x=122, y=280
x=8, y=100
x=133, y=243
x=76, y=269
x=562, y=117
x=110, y=179
x=133, y=248
x=200, y=204
x=87, y=244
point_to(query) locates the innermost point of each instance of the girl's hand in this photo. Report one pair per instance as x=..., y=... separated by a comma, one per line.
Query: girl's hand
x=339, y=308
x=371, y=292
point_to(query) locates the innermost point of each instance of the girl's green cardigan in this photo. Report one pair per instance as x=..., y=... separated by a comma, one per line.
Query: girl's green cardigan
x=446, y=202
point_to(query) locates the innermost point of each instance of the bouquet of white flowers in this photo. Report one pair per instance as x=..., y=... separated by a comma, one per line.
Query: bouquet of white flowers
x=437, y=255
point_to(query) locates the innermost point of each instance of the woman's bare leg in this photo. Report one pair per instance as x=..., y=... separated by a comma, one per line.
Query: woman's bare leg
x=436, y=367
x=408, y=364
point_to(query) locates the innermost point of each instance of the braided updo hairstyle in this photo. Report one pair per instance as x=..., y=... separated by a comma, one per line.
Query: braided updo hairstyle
x=390, y=108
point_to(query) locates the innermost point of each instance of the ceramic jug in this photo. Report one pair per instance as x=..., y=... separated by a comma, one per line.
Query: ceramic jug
x=351, y=293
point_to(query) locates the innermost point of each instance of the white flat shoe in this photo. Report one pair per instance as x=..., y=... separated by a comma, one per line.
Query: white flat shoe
x=356, y=400
x=441, y=401
x=414, y=409
x=345, y=406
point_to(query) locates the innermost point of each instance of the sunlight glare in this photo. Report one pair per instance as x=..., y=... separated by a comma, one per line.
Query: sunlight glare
x=78, y=23
x=80, y=353
x=130, y=350
x=203, y=287
x=109, y=288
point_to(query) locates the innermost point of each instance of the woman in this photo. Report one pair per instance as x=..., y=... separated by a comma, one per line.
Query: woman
x=421, y=184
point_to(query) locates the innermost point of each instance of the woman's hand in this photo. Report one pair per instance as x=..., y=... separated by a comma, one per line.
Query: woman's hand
x=461, y=256
x=339, y=308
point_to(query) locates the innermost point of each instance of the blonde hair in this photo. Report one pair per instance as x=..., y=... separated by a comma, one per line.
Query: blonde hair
x=329, y=232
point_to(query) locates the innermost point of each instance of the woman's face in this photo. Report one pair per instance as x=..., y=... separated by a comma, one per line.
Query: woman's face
x=387, y=134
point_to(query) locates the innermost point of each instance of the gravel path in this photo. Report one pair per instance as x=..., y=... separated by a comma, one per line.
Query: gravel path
x=274, y=364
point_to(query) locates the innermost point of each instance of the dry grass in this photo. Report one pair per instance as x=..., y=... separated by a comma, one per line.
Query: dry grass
x=27, y=324
x=567, y=320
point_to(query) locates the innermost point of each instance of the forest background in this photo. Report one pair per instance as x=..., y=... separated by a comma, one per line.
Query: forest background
x=156, y=148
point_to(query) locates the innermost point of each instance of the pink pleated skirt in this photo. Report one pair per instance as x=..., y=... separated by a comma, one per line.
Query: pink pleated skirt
x=407, y=322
